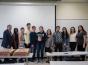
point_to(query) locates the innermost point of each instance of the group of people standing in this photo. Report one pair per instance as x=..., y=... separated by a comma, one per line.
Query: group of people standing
x=37, y=42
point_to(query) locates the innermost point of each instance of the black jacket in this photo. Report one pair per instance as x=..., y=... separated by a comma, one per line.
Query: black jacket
x=7, y=39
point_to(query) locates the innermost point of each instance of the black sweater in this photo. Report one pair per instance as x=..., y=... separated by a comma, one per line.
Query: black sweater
x=42, y=35
x=33, y=37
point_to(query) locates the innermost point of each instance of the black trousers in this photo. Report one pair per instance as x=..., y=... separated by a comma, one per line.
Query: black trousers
x=34, y=53
x=58, y=47
x=73, y=46
x=80, y=48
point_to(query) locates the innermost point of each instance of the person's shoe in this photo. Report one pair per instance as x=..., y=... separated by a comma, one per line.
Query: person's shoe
x=47, y=61
x=42, y=61
x=32, y=60
x=38, y=61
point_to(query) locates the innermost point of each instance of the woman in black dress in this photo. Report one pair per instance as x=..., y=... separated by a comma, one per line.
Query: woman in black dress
x=81, y=40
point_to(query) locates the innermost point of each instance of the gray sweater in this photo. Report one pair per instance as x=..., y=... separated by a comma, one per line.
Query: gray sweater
x=49, y=42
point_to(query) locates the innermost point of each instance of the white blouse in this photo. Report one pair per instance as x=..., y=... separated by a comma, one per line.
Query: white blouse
x=73, y=37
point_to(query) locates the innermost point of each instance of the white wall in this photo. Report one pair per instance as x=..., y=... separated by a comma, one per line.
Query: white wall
x=72, y=11
x=72, y=14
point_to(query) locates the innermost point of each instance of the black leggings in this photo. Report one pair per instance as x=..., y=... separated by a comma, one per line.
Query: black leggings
x=80, y=48
x=72, y=46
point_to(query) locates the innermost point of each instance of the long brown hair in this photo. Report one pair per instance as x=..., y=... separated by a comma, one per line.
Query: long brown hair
x=65, y=33
x=71, y=30
x=82, y=29
x=50, y=32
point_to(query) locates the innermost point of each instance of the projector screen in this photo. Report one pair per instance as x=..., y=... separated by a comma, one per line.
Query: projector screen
x=18, y=16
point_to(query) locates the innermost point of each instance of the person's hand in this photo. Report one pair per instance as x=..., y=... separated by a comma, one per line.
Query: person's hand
x=20, y=44
x=32, y=46
x=25, y=33
x=65, y=45
x=11, y=47
x=84, y=45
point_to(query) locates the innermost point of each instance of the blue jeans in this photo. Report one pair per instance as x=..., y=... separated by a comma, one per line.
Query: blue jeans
x=33, y=50
x=40, y=50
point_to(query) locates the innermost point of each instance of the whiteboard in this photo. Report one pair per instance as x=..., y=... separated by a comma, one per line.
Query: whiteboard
x=72, y=22
x=18, y=16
